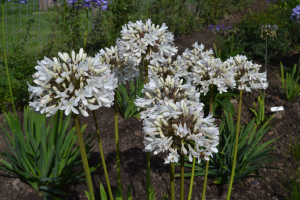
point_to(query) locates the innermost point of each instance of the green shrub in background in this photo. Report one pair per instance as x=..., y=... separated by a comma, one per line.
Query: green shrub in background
x=252, y=153
x=288, y=34
x=44, y=154
x=213, y=10
x=106, y=25
x=176, y=15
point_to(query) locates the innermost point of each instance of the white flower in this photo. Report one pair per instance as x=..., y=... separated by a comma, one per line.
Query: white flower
x=68, y=106
x=76, y=83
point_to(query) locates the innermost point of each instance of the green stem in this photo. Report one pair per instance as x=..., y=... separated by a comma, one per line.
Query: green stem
x=117, y=146
x=75, y=31
x=172, y=186
x=84, y=157
x=148, y=175
x=192, y=179
x=181, y=176
x=207, y=162
x=231, y=43
x=63, y=32
x=102, y=155
x=146, y=72
x=205, y=180
x=86, y=27
x=5, y=59
x=236, y=145
x=266, y=56
x=147, y=153
x=147, y=9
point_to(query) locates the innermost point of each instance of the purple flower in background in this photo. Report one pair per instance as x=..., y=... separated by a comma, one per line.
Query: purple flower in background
x=220, y=28
x=87, y=3
x=296, y=13
x=18, y=1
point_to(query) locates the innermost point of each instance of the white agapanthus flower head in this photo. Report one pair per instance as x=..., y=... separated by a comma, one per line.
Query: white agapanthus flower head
x=145, y=40
x=75, y=83
x=207, y=70
x=173, y=118
x=246, y=74
x=122, y=64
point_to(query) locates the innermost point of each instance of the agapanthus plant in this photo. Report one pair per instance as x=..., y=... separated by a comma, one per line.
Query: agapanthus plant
x=146, y=41
x=247, y=75
x=247, y=78
x=123, y=65
x=72, y=84
x=207, y=70
x=174, y=118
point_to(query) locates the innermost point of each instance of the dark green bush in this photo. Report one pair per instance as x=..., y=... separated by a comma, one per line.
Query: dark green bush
x=288, y=34
x=176, y=15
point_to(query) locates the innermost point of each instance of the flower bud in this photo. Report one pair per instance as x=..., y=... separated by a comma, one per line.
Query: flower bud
x=64, y=85
x=68, y=78
x=174, y=126
x=65, y=67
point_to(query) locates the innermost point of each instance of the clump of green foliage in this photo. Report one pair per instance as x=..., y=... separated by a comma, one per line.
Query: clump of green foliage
x=44, y=154
x=252, y=153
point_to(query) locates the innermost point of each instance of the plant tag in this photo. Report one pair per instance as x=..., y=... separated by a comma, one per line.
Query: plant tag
x=276, y=109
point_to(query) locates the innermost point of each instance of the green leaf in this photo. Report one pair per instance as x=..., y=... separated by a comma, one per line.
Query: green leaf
x=225, y=103
x=102, y=192
x=129, y=193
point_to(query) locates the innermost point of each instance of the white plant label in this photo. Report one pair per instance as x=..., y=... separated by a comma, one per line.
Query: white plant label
x=276, y=109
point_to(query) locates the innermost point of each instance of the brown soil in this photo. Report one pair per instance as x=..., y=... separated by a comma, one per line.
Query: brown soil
x=133, y=161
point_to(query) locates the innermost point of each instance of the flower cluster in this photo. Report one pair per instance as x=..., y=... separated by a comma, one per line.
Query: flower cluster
x=296, y=13
x=174, y=119
x=206, y=70
x=269, y=30
x=76, y=83
x=123, y=66
x=147, y=40
x=246, y=74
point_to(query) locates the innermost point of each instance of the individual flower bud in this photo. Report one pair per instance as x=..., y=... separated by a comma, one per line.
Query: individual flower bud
x=65, y=67
x=68, y=78
x=174, y=126
x=77, y=76
x=148, y=95
x=167, y=90
x=74, y=68
x=157, y=123
x=83, y=57
x=46, y=99
x=91, y=101
x=64, y=85
x=81, y=85
x=165, y=122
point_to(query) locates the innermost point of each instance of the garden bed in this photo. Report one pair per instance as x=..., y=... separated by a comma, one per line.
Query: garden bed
x=133, y=160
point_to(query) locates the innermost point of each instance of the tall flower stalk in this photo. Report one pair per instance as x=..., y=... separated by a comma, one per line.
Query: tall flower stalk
x=149, y=44
x=207, y=162
x=247, y=78
x=75, y=83
x=124, y=68
x=102, y=156
x=84, y=157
